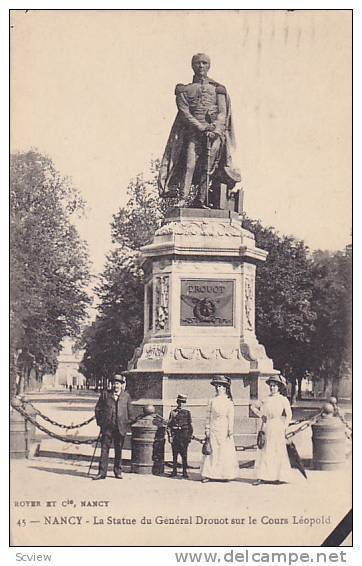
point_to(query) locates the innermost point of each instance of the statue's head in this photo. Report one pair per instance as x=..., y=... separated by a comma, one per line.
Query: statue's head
x=200, y=64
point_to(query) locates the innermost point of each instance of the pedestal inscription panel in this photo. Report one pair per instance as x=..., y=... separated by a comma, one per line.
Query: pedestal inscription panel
x=207, y=302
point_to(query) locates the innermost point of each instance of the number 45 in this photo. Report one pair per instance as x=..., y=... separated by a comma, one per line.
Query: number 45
x=21, y=523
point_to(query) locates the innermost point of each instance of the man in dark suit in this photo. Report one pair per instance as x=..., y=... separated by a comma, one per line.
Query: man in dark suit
x=113, y=414
x=179, y=429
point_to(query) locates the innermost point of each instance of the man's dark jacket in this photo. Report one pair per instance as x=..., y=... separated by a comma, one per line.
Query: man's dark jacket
x=111, y=417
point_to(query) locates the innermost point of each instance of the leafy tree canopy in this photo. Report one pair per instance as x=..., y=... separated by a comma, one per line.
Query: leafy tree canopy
x=49, y=261
x=332, y=292
x=285, y=318
x=110, y=341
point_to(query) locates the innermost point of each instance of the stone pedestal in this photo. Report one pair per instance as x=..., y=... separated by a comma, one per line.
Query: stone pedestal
x=200, y=316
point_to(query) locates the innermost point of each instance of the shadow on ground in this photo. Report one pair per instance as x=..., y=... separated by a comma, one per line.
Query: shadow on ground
x=61, y=471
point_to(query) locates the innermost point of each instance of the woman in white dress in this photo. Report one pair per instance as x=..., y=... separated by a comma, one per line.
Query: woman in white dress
x=272, y=463
x=222, y=463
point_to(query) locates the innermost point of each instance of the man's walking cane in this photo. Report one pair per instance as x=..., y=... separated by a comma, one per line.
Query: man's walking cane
x=94, y=453
x=208, y=147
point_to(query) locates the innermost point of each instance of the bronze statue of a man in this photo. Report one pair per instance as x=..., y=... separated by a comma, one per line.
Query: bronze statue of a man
x=198, y=151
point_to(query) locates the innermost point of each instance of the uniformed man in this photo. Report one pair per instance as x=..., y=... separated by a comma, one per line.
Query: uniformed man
x=179, y=431
x=199, y=145
x=113, y=414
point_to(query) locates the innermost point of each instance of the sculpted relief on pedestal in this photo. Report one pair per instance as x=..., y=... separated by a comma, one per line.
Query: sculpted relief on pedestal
x=162, y=284
x=249, y=302
x=207, y=302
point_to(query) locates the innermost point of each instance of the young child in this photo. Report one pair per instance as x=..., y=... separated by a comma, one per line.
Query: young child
x=179, y=430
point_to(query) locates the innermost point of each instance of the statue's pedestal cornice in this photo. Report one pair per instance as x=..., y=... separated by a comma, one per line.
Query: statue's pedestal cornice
x=205, y=233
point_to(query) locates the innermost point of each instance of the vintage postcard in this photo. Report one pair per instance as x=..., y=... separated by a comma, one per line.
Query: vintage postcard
x=180, y=215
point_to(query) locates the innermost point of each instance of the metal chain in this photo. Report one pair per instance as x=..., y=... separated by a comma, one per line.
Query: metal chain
x=49, y=420
x=347, y=425
x=306, y=424
x=165, y=423
x=239, y=448
x=160, y=418
x=311, y=416
x=52, y=434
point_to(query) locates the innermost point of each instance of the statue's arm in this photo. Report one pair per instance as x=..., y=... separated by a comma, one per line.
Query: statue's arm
x=221, y=116
x=182, y=105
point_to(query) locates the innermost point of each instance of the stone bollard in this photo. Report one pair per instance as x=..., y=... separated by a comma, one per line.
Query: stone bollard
x=148, y=444
x=329, y=441
x=19, y=443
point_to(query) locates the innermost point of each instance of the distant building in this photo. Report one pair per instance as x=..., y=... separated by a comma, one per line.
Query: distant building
x=307, y=386
x=68, y=368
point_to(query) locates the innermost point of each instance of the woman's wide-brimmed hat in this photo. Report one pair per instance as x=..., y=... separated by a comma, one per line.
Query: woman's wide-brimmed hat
x=276, y=379
x=220, y=380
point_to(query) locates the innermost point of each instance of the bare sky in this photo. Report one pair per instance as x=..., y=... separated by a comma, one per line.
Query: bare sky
x=95, y=91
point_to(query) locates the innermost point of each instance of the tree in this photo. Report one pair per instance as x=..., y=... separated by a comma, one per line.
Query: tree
x=285, y=318
x=332, y=291
x=135, y=224
x=48, y=265
x=110, y=341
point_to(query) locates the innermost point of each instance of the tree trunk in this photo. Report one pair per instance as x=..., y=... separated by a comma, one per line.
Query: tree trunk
x=21, y=383
x=14, y=373
x=299, y=394
x=327, y=386
x=39, y=378
x=293, y=391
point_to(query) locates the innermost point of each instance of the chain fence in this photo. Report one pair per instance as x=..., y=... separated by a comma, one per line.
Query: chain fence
x=338, y=414
x=20, y=409
x=306, y=423
x=19, y=406
x=55, y=423
x=67, y=439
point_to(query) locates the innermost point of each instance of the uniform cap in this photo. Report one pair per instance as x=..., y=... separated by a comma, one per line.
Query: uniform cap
x=182, y=398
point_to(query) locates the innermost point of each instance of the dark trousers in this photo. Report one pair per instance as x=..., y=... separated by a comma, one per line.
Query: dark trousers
x=179, y=448
x=108, y=438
